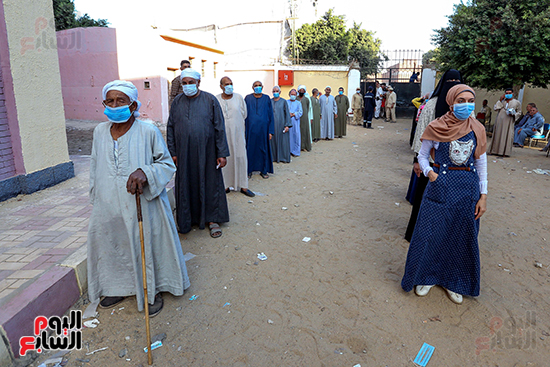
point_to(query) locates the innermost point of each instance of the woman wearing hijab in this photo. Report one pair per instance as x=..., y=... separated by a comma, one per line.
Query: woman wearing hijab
x=434, y=108
x=444, y=248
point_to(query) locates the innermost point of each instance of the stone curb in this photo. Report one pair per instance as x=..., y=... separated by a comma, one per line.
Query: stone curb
x=53, y=293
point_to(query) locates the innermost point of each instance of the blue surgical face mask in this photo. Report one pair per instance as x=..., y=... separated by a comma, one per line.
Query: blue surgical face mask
x=508, y=96
x=189, y=89
x=118, y=115
x=463, y=110
x=275, y=95
x=258, y=90
x=228, y=89
x=340, y=92
x=292, y=97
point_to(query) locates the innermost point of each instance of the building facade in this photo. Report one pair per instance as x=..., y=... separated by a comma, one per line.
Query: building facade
x=33, y=144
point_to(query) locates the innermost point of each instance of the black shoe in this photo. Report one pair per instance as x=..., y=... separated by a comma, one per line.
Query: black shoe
x=248, y=193
x=156, y=307
x=108, y=302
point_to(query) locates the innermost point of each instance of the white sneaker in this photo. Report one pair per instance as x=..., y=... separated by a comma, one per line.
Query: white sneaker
x=455, y=297
x=422, y=290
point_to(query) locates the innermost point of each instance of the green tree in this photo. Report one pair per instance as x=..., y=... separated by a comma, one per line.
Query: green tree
x=364, y=48
x=329, y=40
x=66, y=18
x=498, y=43
x=429, y=59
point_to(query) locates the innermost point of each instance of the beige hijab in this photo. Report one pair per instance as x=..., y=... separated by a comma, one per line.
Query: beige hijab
x=448, y=128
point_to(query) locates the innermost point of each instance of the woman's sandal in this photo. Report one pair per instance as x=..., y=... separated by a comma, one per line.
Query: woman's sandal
x=215, y=230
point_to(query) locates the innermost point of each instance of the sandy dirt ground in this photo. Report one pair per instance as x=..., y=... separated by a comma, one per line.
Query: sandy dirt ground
x=336, y=300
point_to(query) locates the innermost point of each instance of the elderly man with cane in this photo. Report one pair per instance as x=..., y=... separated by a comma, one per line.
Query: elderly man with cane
x=130, y=157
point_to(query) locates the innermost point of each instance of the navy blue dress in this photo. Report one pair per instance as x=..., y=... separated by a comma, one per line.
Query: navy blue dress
x=259, y=124
x=444, y=249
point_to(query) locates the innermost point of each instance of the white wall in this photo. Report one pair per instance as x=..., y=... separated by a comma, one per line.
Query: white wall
x=428, y=81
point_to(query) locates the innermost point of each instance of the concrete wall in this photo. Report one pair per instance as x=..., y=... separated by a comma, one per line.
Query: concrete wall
x=7, y=162
x=87, y=61
x=354, y=82
x=36, y=82
x=243, y=80
x=428, y=81
x=144, y=55
x=154, y=100
x=539, y=96
x=319, y=79
x=10, y=145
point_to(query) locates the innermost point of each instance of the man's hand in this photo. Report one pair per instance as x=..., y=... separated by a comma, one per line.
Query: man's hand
x=270, y=136
x=335, y=116
x=136, y=182
x=519, y=130
x=416, y=169
x=221, y=162
x=481, y=206
x=292, y=115
x=285, y=130
x=175, y=159
x=502, y=98
x=534, y=129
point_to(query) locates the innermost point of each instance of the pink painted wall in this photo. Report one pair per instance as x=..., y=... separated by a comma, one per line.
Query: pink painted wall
x=87, y=61
x=9, y=99
x=154, y=101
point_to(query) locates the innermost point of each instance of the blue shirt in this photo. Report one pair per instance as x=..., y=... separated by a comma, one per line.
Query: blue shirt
x=535, y=122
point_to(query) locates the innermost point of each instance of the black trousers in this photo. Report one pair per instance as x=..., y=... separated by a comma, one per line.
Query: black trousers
x=368, y=116
x=418, y=194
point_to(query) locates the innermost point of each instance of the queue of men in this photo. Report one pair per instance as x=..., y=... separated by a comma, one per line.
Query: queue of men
x=214, y=144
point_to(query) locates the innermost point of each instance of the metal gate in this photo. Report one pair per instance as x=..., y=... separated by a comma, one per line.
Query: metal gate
x=396, y=70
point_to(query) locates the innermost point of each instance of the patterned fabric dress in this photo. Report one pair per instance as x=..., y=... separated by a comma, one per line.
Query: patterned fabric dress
x=444, y=249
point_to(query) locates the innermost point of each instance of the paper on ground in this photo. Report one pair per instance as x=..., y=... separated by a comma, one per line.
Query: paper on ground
x=91, y=310
x=188, y=256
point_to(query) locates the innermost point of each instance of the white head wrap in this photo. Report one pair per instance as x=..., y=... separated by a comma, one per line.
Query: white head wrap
x=125, y=87
x=302, y=86
x=328, y=86
x=190, y=73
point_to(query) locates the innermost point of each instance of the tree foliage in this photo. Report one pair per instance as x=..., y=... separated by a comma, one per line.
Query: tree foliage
x=329, y=40
x=498, y=43
x=429, y=59
x=66, y=17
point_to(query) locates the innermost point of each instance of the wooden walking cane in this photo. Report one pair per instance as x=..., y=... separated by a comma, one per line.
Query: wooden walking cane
x=148, y=331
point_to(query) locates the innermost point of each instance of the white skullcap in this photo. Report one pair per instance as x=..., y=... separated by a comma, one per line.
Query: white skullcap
x=328, y=86
x=190, y=73
x=301, y=86
x=125, y=87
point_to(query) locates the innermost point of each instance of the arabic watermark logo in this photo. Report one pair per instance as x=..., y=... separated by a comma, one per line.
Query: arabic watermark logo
x=45, y=38
x=509, y=333
x=67, y=329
